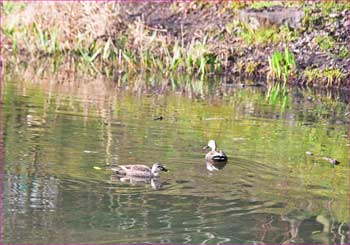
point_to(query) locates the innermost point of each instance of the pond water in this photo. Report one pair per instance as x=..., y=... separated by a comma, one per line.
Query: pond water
x=59, y=140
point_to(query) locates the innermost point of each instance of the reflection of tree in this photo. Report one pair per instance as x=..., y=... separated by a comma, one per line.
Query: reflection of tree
x=292, y=234
x=128, y=213
x=198, y=211
x=265, y=227
x=320, y=229
x=26, y=193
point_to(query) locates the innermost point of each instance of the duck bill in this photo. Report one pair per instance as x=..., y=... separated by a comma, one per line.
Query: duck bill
x=164, y=169
x=205, y=147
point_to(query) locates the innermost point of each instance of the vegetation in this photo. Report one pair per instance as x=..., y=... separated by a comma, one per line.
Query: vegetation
x=260, y=36
x=150, y=50
x=63, y=119
x=101, y=41
x=265, y=4
x=281, y=65
x=325, y=42
x=325, y=77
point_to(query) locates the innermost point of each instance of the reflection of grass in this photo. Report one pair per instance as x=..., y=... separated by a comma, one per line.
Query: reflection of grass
x=278, y=93
x=282, y=141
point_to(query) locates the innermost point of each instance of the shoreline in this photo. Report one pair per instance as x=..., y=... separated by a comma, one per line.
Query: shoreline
x=197, y=38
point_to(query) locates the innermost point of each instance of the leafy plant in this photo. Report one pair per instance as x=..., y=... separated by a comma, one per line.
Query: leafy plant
x=281, y=65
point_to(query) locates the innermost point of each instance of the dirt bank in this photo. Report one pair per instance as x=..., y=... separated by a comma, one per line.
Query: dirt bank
x=175, y=36
x=320, y=43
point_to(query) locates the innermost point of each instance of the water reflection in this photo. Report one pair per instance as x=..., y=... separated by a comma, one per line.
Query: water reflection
x=215, y=166
x=35, y=192
x=135, y=215
x=155, y=183
x=271, y=192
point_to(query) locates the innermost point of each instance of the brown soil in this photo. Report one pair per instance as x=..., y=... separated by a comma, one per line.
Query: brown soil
x=217, y=22
x=188, y=22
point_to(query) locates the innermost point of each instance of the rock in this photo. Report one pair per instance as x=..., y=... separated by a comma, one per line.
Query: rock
x=274, y=16
x=310, y=98
x=334, y=15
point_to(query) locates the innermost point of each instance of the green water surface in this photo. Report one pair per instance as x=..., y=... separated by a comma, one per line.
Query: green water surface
x=59, y=139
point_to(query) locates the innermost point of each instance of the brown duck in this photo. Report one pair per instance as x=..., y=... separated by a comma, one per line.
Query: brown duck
x=140, y=171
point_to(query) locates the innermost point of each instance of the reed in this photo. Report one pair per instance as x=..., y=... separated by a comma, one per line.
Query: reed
x=101, y=39
x=326, y=77
x=89, y=39
x=281, y=65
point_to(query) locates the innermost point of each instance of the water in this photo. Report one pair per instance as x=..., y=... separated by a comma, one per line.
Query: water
x=59, y=140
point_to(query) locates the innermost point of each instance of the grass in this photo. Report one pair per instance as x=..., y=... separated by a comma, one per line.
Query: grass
x=343, y=52
x=325, y=77
x=12, y=7
x=328, y=44
x=235, y=5
x=312, y=18
x=330, y=6
x=325, y=42
x=282, y=65
x=265, y=4
x=265, y=35
x=261, y=36
x=100, y=43
x=142, y=50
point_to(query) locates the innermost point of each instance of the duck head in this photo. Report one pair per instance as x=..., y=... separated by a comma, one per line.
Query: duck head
x=157, y=167
x=211, y=145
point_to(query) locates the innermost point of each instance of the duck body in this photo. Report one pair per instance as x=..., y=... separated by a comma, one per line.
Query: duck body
x=139, y=171
x=215, y=155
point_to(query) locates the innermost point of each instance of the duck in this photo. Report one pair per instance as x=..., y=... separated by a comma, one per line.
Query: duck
x=140, y=171
x=214, y=155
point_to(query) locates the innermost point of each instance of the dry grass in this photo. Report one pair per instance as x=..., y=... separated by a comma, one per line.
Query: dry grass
x=102, y=41
x=108, y=38
x=75, y=21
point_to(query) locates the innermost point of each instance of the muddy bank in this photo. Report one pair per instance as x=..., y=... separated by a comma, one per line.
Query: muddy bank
x=227, y=38
x=319, y=37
